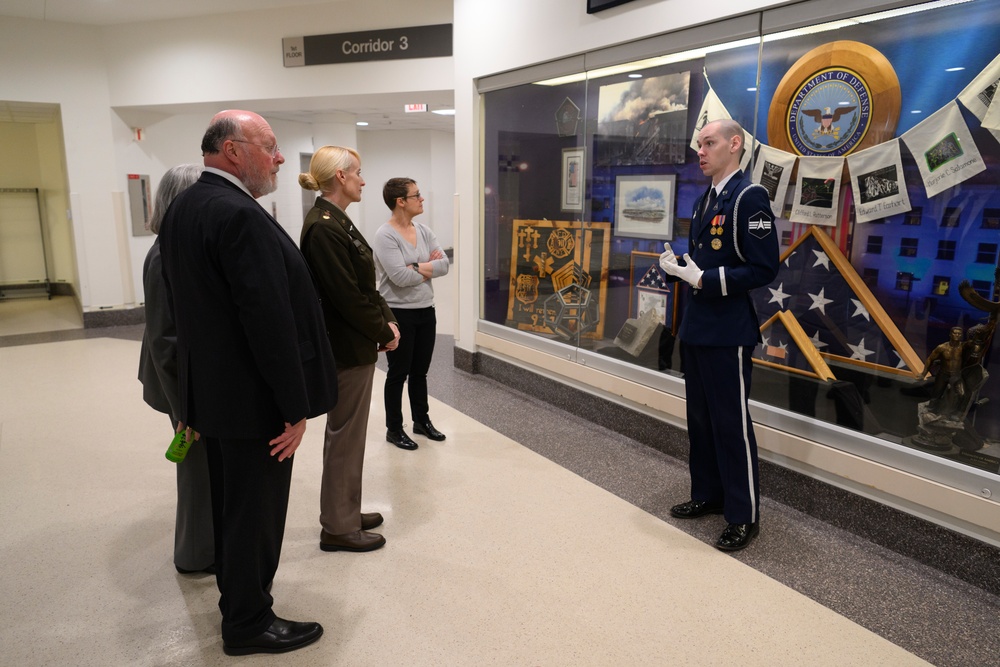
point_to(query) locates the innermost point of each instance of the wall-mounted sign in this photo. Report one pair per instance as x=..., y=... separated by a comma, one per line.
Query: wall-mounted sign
x=140, y=202
x=414, y=108
x=426, y=41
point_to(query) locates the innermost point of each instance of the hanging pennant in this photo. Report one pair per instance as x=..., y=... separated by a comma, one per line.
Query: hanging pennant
x=944, y=150
x=817, y=190
x=978, y=96
x=749, y=146
x=879, y=188
x=711, y=109
x=774, y=171
x=991, y=121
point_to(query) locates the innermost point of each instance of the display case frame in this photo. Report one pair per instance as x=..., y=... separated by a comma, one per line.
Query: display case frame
x=887, y=386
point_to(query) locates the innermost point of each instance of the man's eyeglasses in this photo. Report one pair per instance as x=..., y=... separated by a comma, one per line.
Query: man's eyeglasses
x=272, y=150
x=413, y=196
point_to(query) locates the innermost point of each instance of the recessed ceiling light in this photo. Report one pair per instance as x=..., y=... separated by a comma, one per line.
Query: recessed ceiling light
x=751, y=90
x=954, y=69
x=635, y=76
x=916, y=111
x=444, y=112
x=361, y=123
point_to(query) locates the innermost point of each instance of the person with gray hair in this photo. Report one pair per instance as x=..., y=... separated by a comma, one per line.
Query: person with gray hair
x=194, y=544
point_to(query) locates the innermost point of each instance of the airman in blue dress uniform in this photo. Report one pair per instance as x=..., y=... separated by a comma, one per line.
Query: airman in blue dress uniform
x=733, y=249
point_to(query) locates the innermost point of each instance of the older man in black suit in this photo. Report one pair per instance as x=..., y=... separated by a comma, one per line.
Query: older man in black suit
x=253, y=364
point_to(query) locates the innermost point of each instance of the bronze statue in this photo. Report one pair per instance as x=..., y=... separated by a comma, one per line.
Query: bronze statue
x=944, y=421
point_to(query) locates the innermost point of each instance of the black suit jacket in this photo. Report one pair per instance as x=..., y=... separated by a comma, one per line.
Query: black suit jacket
x=252, y=349
x=344, y=266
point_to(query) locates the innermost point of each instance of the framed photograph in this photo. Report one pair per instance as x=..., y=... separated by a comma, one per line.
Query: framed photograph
x=644, y=206
x=572, y=179
x=650, y=290
x=643, y=121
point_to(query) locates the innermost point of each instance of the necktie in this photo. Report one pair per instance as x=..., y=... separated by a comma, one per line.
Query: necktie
x=710, y=204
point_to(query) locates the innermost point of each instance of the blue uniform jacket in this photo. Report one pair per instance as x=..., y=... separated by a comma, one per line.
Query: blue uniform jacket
x=744, y=256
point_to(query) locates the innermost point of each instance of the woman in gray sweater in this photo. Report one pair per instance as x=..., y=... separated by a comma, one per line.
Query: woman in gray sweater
x=407, y=257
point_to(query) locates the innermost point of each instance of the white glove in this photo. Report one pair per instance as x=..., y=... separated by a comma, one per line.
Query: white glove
x=689, y=273
x=667, y=257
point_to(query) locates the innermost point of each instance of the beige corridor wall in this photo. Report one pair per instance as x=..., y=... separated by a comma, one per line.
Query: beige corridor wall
x=108, y=80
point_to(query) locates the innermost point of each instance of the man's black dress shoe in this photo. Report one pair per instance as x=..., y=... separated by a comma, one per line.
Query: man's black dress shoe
x=282, y=636
x=427, y=429
x=205, y=570
x=693, y=509
x=400, y=439
x=359, y=540
x=737, y=536
x=370, y=520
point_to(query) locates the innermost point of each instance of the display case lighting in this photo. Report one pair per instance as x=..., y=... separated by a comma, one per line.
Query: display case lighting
x=692, y=54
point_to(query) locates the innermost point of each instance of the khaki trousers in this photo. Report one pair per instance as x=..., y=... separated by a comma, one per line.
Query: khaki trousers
x=344, y=451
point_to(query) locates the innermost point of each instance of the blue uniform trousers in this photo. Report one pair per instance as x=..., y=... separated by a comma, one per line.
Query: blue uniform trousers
x=723, y=459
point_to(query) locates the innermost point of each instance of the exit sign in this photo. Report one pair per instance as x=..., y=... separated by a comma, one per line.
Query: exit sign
x=415, y=108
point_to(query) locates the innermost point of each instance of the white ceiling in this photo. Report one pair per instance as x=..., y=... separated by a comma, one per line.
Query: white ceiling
x=382, y=112
x=113, y=12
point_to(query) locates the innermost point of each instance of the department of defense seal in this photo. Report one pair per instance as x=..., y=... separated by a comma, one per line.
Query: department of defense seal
x=838, y=98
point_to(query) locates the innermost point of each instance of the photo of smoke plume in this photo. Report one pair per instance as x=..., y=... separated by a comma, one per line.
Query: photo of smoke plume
x=643, y=122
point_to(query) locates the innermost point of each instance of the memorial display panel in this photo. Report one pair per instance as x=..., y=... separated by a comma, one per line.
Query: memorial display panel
x=878, y=139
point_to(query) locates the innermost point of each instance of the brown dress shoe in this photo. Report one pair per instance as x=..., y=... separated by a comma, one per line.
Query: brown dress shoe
x=359, y=540
x=370, y=520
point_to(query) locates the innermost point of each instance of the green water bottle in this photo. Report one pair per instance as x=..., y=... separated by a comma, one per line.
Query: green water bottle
x=178, y=448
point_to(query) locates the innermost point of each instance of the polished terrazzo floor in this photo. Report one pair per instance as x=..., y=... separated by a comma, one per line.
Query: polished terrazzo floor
x=530, y=537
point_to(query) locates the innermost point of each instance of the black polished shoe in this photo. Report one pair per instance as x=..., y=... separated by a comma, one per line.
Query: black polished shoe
x=370, y=520
x=737, y=536
x=281, y=637
x=426, y=428
x=400, y=439
x=693, y=509
x=359, y=540
x=210, y=569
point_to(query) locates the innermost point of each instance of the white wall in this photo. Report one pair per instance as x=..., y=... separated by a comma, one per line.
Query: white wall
x=102, y=78
x=238, y=56
x=63, y=64
x=415, y=154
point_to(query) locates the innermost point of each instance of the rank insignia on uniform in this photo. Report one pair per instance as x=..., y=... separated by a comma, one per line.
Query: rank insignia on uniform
x=716, y=244
x=760, y=224
x=326, y=216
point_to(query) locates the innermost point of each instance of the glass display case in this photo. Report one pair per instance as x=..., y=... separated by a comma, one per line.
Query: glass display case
x=878, y=139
